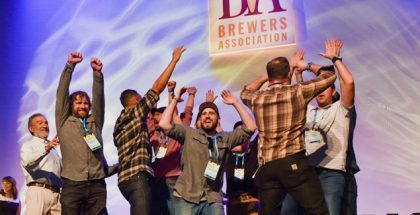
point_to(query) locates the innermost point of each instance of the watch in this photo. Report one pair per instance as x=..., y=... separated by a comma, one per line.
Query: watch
x=335, y=58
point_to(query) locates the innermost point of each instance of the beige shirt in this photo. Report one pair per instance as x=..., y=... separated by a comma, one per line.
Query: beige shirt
x=333, y=124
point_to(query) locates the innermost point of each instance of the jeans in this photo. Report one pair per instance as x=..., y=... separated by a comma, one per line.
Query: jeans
x=333, y=184
x=163, y=199
x=138, y=193
x=203, y=208
x=83, y=197
x=293, y=175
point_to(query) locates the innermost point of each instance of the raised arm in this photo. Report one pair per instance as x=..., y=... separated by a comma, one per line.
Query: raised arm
x=256, y=85
x=230, y=99
x=166, y=119
x=98, y=97
x=163, y=79
x=332, y=52
x=186, y=120
x=62, y=97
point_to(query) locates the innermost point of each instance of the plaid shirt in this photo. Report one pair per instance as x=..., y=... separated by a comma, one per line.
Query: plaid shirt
x=132, y=140
x=280, y=113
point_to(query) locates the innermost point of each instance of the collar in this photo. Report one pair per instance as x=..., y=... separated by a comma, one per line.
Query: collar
x=43, y=141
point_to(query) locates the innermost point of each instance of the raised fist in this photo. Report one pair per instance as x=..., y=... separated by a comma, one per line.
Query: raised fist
x=96, y=64
x=171, y=86
x=75, y=57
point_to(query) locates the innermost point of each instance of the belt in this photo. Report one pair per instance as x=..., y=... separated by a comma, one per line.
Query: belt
x=47, y=186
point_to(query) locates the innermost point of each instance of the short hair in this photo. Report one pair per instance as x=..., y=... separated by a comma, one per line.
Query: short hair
x=31, y=118
x=278, y=68
x=14, y=189
x=126, y=95
x=74, y=95
x=237, y=124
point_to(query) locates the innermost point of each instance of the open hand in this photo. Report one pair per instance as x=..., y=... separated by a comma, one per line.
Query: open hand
x=176, y=54
x=228, y=97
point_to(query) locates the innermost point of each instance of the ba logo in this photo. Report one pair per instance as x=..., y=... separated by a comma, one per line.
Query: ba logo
x=238, y=25
x=248, y=8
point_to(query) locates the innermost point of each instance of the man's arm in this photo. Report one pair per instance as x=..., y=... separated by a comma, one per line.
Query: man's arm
x=230, y=99
x=98, y=97
x=163, y=79
x=332, y=49
x=189, y=106
x=62, y=97
x=31, y=157
x=166, y=119
x=257, y=84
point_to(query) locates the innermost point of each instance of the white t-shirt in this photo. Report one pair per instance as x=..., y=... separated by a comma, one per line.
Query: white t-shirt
x=333, y=123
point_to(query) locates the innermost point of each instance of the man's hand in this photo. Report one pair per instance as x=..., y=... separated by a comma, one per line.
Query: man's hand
x=171, y=86
x=210, y=96
x=75, y=58
x=52, y=144
x=228, y=97
x=296, y=58
x=176, y=54
x=332, y=49
x=180, y=93
x=301, y=65
x=192, y=91
x=96, y=64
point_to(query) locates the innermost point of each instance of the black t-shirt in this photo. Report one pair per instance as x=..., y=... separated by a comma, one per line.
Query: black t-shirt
x=236, y=187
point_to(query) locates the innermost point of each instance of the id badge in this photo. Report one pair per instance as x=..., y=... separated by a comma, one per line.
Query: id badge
x=161, y=153
x=211, y=170
x=239, y=173
x=92, y=142
x=314, y=136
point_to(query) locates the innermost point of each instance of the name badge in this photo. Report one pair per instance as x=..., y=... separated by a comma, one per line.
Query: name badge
x=161, y=153
x=92, y=142
x=239, y=173
x=314, y=136
x=211, y=170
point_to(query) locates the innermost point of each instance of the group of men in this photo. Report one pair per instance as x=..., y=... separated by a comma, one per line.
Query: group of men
x=167, y=167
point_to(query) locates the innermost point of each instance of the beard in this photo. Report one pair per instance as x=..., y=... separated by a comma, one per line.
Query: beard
x=209, y=126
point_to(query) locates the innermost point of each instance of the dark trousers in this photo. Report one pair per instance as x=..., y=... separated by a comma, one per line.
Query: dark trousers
x=163, y=199
x=138, y=193
x=350, y=195
x=293, y=175
x=83, y=197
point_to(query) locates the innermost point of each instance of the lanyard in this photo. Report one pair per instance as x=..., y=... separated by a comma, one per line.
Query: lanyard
x=166, y=140
x=216, y=148
x=237, y=159
x=84, y=124
x=315, y=114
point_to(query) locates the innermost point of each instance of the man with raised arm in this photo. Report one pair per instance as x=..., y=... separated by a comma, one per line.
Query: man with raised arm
x=131, y=138
x=80, y=135
x=327, y=133
x=280, y=113
x=204, y=154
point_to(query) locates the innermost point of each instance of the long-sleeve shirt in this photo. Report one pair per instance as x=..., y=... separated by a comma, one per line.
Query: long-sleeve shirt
x=280, y=114
x=80, y=163
x=192, y=185
x=39, y=165
x=131, y=138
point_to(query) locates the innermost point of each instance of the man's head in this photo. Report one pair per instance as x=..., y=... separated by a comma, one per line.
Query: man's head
x=157, y=114
x=326, y=97
x=278, y=69
x=79, y=104
x=209, y=116
x=129, y=98
x=38, y=126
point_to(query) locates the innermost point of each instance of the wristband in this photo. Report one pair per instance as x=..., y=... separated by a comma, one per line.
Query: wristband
x=308, y=66
x=335, y=58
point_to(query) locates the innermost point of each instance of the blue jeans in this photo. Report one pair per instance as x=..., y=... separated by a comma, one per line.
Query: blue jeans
x=203, y=208
x=333, y=184
x=138, y=193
